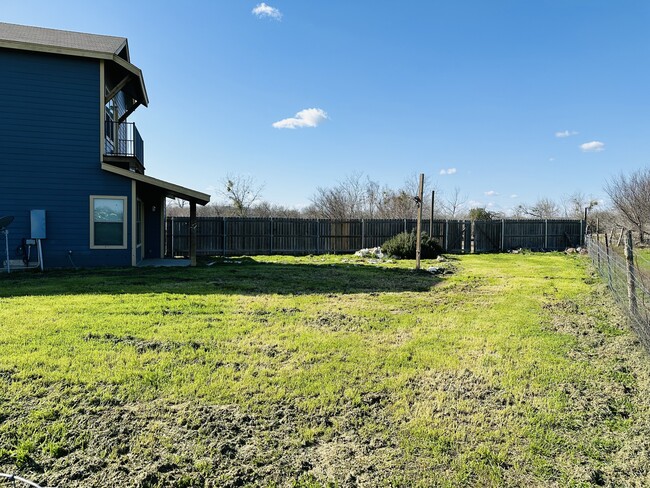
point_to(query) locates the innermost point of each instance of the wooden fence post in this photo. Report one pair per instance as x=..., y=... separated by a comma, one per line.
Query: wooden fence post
x=418, y=232
x=631, y=279
x=609, y=264
x=193, y=233
x=446, y=235
x=363, y=234
x=225, y=232
x=270, y=235
x=171, y=251
x=546, y=234
x=503, y=234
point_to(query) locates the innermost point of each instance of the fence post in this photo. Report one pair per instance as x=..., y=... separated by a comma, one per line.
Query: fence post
x=172, y=254
x=503, y=234
x=631, y=279
x=446, y=235
x=270, y=235
x=609, y=264
x=317, y=236
x=546, y=234
x=582, y=236
x=363, y=233
x=404, y=225
x=225, y=232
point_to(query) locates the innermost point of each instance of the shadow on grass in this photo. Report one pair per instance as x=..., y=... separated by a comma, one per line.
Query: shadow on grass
x=242, y=276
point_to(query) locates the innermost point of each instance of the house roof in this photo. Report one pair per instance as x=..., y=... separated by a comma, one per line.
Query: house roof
x=110, y=48
x=24, y=34
x=171, y=189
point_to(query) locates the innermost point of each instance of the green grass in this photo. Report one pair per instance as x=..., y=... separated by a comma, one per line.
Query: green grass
x=322, y=371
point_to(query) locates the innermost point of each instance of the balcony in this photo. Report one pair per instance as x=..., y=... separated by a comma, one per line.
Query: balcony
x=124, y=146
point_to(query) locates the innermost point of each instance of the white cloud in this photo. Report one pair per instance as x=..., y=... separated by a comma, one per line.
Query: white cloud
x=448, y=171
x=551, y=159
x=593, y=146
x=310, y=117
x=491, y=193
x=566, y=133
x=514, y=195
x=264, y=10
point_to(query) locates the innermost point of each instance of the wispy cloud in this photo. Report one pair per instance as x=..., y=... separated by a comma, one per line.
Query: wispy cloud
x=566, y=133
x=551, y=159
x=310, y=117
x=514, y=195
x=491, y=193
x=448, y=171
x=264, y=10
x=593, y=146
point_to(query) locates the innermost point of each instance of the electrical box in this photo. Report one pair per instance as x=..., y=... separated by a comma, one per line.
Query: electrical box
x=38, y=224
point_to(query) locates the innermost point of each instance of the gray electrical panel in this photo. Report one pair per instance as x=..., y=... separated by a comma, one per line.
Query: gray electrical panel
x=38, y=224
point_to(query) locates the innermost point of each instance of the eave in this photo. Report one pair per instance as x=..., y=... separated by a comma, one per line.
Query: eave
x=171, y=190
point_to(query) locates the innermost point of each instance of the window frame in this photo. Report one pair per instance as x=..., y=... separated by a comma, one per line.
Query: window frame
x=125, y=227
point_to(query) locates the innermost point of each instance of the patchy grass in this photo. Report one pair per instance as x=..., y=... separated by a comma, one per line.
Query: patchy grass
x=322, y=371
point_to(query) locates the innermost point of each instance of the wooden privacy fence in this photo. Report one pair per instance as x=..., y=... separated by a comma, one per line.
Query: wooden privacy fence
x=237, y=236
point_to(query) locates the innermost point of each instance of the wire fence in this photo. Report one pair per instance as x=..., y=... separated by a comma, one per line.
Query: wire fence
x=627, y=281
x=15, y=481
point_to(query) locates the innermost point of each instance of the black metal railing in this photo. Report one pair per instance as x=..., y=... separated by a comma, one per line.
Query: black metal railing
x=123, y=139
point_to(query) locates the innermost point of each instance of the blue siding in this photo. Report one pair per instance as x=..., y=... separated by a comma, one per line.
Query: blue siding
x=50, y=154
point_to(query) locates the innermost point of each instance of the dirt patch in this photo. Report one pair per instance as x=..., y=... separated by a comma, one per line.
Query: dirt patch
x=143, y=345
x=158, y=445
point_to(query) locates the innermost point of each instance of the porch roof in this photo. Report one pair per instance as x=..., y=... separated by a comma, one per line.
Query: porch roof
x=171, y=190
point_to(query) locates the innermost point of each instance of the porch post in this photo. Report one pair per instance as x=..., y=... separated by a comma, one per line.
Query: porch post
x=193, y=233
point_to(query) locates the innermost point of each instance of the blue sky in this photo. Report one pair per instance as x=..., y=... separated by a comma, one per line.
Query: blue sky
x=484, y=88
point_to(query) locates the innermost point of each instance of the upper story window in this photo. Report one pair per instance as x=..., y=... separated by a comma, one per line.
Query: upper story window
x=108, y=222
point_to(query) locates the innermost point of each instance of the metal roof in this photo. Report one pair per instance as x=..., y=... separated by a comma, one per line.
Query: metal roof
x=107, y=45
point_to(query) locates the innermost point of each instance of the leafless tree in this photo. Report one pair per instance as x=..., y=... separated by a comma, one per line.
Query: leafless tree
x=453, y=204
x=242, y=191
x=574, y=205
x=349, y=199
x=544, y=208
x=630, y=195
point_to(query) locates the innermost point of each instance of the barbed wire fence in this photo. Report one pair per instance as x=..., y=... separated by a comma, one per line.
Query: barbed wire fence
x=627, y=282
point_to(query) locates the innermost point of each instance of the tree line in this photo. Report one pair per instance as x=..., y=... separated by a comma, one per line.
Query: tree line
x=358, y=196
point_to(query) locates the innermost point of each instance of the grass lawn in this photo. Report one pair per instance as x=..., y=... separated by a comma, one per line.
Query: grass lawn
x=515, y=370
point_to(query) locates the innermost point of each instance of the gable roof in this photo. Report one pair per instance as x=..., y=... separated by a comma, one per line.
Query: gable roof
x=39, y=39
x=93, y=43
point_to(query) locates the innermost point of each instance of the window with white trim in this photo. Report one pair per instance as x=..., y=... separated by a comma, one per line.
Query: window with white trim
x=108, y=222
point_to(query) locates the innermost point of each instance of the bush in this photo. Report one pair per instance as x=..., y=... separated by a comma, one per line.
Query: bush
x=403, y=246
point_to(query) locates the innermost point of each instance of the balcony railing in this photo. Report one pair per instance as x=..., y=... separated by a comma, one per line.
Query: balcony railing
x=124, y=140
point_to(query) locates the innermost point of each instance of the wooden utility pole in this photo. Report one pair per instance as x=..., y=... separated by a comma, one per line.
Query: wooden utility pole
x=631, y=278
x=418, y=234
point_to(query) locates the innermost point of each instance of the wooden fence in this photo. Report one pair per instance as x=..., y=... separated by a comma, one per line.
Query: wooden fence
x=250, y=236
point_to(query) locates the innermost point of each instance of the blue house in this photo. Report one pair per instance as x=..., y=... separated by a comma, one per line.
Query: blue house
x=68, y=148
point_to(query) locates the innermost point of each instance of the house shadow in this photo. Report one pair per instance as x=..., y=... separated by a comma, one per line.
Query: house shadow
x=242, y=276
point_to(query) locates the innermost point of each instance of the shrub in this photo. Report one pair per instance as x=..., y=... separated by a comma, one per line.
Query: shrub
x=403, y=245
